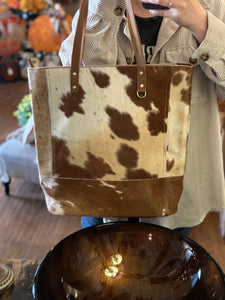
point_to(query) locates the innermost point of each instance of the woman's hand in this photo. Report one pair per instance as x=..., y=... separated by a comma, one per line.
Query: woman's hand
x=187, y=13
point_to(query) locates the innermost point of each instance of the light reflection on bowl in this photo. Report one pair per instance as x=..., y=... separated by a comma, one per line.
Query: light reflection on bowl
x=123, y=261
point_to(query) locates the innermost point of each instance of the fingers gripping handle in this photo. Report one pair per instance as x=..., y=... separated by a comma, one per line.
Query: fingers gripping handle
x=77, y=52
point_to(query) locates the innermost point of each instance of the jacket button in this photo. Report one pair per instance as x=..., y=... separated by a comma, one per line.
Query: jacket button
x=193, y=61
x=118, y=11
x=129, y=60
x=204, y=56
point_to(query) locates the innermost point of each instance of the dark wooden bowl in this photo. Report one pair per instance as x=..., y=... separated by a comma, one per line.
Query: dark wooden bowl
x=122, y=261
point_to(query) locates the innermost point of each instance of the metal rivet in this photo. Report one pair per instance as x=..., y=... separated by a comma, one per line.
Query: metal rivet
x=204, y=56
x=141, y=72
x=141, y=95
x=193, y=61
x=141, y=85
x=118, y=11
x=74, y=87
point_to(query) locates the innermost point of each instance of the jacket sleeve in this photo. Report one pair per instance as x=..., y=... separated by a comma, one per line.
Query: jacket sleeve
x=211, y=52
x=101, y=44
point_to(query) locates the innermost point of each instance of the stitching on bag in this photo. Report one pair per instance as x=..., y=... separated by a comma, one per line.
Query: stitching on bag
x=51, y=114
x=122, y=180
x=165, y=200
x=44, y=99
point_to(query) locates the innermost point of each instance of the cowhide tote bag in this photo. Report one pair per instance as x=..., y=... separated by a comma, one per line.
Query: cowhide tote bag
x=111, y=140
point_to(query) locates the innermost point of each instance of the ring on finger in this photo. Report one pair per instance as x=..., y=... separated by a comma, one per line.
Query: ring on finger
x=169, y=4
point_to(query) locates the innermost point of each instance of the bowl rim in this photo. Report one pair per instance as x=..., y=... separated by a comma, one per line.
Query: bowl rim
x=117, y=224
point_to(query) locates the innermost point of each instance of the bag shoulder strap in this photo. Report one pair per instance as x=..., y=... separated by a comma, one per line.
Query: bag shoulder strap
x=77, y=52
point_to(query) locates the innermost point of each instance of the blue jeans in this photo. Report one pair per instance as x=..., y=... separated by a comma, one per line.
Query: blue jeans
x=184, y=230
x=90, y=221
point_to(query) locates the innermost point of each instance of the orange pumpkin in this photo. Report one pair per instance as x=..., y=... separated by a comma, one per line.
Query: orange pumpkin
x=42, y=35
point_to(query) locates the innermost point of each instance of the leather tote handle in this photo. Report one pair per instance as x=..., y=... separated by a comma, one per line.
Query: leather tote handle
x=77, y=52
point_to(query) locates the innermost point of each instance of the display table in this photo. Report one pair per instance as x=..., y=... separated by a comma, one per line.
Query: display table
x=23, y=271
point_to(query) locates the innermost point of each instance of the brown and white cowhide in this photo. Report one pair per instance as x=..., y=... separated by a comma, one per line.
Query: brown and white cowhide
x=106, y=152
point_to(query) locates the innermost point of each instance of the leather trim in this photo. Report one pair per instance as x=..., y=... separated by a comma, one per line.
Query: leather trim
x=77, y=52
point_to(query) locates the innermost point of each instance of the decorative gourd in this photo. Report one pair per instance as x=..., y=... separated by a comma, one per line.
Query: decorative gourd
x=47, y=32
x=35, y=6
x=14, y=4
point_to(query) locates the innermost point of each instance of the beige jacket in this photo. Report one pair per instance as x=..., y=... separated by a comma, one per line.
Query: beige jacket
x=107, y=41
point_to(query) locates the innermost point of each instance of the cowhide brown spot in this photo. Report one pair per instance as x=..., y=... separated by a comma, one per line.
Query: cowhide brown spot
x=101, y=79
x=70, y=105
x=127, y=156
x=170, y=164
x=94, y=167
x=122, y=125
x=158, y=86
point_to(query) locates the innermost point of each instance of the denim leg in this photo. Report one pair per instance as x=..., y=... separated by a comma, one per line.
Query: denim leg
x=184, y=230
x=90, y=221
